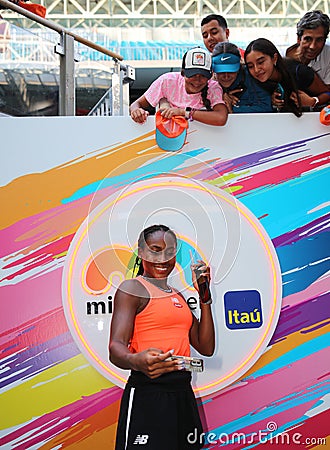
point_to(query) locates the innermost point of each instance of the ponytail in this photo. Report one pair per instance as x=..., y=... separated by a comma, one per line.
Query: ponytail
x=206, y=101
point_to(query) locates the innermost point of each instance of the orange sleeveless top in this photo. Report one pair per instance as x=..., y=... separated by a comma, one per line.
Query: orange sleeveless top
x=164, y=323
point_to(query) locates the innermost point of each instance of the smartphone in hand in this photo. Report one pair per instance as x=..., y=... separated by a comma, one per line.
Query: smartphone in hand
x=202, y=281
x=279, y=89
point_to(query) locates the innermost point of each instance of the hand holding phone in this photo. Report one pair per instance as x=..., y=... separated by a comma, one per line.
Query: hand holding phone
x=280, y=91
x=202, y=281
x=190, y=363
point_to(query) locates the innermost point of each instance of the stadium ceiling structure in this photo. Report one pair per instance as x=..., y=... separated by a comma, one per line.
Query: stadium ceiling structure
x=173, y=13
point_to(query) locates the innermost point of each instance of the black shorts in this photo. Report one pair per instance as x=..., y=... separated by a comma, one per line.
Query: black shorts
x=159, y=414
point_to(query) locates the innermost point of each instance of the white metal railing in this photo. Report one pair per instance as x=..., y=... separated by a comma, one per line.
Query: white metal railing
x=25, y=49
x=103, y=106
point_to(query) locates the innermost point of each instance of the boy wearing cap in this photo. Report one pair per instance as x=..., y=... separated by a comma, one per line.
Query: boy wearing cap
x=242, y=94
x=191, y=93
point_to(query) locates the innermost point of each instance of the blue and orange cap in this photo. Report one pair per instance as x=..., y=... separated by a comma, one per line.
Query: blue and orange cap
x=170, y=133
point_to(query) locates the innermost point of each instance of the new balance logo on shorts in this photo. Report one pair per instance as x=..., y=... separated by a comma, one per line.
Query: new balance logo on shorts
x=141, y=439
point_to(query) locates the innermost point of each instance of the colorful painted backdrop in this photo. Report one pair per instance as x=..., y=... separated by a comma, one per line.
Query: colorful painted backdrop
x=51, y=168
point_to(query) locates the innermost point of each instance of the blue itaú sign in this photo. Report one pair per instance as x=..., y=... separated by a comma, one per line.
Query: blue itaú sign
x=243, y=309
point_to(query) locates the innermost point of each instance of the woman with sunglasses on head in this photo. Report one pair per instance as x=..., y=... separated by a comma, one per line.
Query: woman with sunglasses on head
x=191, y=93
x=151, y=323
x=242, y=94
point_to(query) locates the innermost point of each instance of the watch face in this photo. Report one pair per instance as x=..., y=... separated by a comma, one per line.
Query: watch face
x=187, y=112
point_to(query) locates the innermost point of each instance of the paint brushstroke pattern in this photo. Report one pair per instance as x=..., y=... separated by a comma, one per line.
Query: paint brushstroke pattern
x=39, y=359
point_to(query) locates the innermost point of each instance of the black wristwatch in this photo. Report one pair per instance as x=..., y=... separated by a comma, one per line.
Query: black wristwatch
x=187, y=113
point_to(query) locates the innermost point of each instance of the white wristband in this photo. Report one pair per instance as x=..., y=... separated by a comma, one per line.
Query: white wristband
x=205, y=303
x=316, y=101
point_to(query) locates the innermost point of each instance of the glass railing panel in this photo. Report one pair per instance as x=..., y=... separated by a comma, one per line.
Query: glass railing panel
x=29, y=72
x=93, y=80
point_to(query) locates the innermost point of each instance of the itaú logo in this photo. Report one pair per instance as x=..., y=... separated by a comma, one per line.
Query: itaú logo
x=210, y=225
x=243, y=309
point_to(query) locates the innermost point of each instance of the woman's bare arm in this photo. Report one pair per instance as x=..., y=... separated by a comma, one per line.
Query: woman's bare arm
x=202, y=335
x=151, y=362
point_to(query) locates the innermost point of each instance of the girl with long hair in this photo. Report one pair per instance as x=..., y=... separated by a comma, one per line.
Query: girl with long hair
x=266, y=65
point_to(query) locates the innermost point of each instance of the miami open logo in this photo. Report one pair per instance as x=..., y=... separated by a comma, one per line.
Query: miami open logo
x=211, y=224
